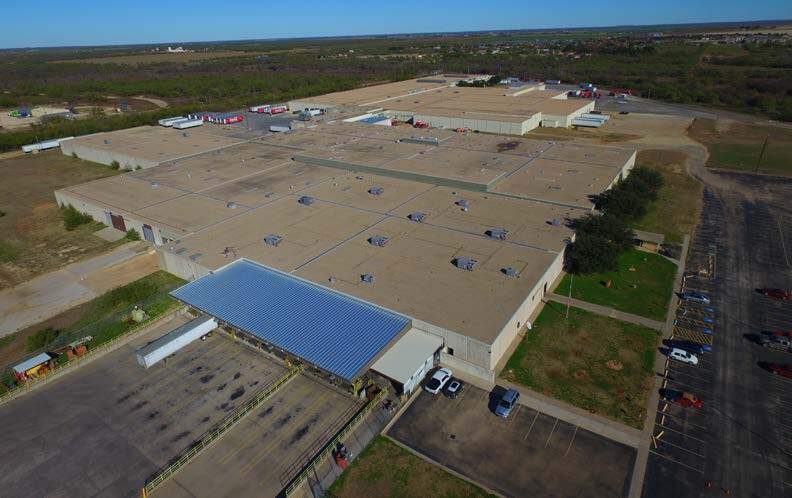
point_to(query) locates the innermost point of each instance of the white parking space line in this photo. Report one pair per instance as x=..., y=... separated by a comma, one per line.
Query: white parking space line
x=676, y=462
x=684, y=420
x=551, y=433
x=682, y=433
x=571, y=441
x=661, y=440
x=531, y=427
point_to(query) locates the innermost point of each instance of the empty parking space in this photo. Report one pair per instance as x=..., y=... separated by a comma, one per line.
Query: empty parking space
x=106, y=427
x=270, y=446
x=737, y=442
x=527, y=454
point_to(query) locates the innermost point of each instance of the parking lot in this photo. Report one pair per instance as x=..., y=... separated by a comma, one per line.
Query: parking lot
x=106, y=427
x=270, y=446
x=527, y=454
x=739, y=442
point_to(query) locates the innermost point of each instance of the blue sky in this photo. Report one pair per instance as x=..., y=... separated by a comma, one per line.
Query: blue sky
x=29, y=23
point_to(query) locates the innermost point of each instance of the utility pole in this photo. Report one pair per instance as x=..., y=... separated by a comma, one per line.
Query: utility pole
x=761, y=153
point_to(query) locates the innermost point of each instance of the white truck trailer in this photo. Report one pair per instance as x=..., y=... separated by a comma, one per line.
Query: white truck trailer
x=188, y=123
x=167, y=122
x=174, y=340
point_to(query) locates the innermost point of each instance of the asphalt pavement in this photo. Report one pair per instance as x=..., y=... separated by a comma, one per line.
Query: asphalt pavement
x=740, y=442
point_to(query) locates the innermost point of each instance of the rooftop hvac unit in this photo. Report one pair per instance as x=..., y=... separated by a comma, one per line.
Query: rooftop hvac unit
x=306, y=200
x=231, y=205
x=497, y=233
x=375, y=190
x=378, y=240
x=556, y=222
x=465, y=263
x=509, y=271
x=464, y=204
x=419, y=217
x=367, y=278
x=273, y=240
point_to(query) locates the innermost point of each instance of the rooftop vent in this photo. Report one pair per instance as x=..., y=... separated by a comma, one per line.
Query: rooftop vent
x=556, y=222
x=154, y=184
x=181, y=250
x=509, y=271
x=497, y=233
x=185, y=134
x=231, y=205
x=196, y=256
x=375, y=190
x=306, y=200
x=107, y=141
x=464, y=204
x=419, y=217
x=378, y=240
x=273, y=240
x=465, y=263
x=367, y=278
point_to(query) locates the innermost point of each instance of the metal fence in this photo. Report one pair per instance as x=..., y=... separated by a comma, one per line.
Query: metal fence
x=79, y=360
x=328, y=448
x=218, y=431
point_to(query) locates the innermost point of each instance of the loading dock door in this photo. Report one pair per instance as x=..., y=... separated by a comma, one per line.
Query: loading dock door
x=148, y=233
x=410, y=359
x=118, y=222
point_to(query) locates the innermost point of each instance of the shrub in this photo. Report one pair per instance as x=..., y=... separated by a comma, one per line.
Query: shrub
x=73, y=218
x=115, y=165
x=132, y=234
x=42, y=338
x=74, y=155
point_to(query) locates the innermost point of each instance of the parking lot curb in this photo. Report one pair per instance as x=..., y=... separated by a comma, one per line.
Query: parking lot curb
x=447, y=469
x=642, y=458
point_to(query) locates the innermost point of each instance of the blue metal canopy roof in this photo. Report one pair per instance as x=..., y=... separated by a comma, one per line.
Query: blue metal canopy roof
x=336, y=332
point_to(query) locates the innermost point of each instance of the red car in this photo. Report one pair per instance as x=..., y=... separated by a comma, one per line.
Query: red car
x=681, y=398
x=782, y=294
x=781, y=369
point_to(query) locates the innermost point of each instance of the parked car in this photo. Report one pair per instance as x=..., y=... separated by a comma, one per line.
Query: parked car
x=696, y=297
x=689, y=346
x=453, y=388
x=776, y=340
x=683, y=356
x=506, y=403
x=784, y=370
x=681, y=398
x=781, y=294
x=438, y=380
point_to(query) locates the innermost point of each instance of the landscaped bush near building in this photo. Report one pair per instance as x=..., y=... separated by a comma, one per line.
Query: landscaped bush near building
x=73, y=218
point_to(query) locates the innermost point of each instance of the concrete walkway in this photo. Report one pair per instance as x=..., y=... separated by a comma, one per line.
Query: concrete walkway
x=53, y=293
x=642, y=458
x=606, y=311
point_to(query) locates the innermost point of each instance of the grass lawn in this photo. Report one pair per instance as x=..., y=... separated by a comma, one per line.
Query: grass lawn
x=103, y=318
x=653, y=279
x=596, y=363
x=385, y=469
x=678, y=204
x=737, y=146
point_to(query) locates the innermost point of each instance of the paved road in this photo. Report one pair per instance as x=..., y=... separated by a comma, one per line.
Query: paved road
x=741, y=442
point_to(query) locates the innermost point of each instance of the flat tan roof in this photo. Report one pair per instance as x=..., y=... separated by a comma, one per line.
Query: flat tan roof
x=414, y=275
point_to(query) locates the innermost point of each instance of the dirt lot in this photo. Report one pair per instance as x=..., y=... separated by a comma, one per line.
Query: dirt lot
x=269, y=447
x=105, y=428
x=154, y=57
x=527, y=454
x=33, y=239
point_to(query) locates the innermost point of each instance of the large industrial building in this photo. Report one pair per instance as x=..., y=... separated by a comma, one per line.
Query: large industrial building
x=439, y=102
x=449, y=240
